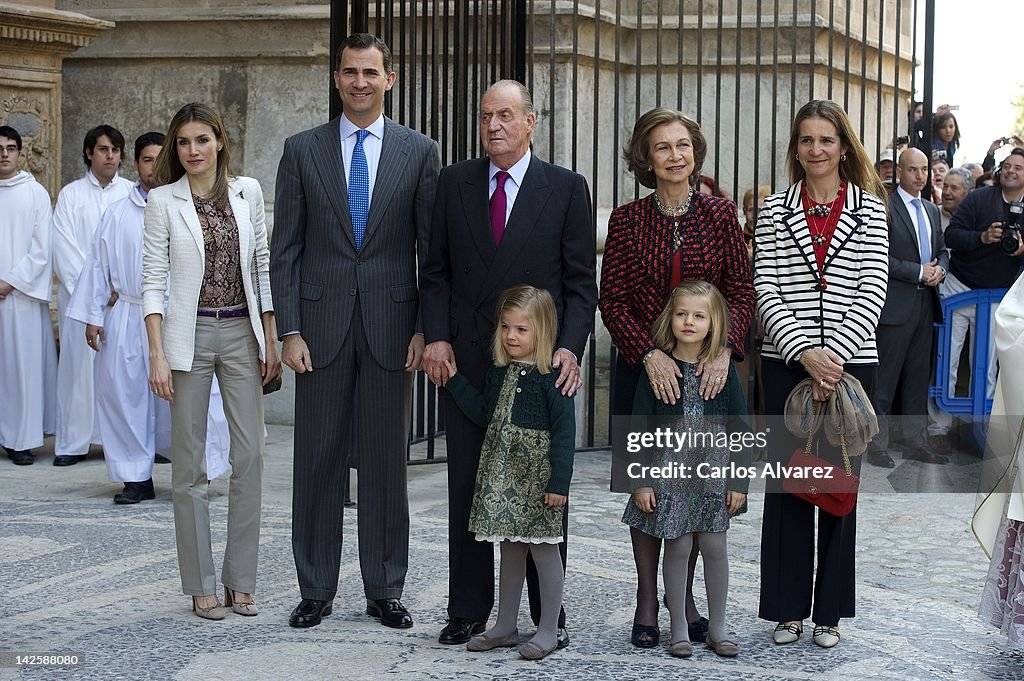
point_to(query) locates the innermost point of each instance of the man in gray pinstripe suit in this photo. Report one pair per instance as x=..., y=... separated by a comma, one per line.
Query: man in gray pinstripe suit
x=352, y=217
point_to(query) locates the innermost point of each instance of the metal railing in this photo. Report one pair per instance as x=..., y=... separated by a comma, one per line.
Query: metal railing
x=740, y=67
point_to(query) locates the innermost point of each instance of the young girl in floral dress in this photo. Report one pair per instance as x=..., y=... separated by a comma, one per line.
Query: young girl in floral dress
x=522, y=481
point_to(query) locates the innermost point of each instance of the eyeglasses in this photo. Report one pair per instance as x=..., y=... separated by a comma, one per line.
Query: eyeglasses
x=9, y=149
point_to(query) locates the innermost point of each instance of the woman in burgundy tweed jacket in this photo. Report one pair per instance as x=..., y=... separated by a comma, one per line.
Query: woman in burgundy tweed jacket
x=654, y=243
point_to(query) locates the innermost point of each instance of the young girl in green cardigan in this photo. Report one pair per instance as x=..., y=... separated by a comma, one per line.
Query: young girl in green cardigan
x=522, y=481
x=695, y=506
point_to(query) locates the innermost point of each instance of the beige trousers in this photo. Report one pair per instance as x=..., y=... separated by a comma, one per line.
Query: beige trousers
x=228, y=348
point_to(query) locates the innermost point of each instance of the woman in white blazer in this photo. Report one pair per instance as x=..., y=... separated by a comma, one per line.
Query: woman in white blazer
x=205, y=249
x=820, y=273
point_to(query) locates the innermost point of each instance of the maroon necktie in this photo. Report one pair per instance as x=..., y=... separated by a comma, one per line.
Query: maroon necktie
x=497, y=208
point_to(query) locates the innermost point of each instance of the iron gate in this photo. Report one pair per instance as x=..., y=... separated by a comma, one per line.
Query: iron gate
x=740, y=67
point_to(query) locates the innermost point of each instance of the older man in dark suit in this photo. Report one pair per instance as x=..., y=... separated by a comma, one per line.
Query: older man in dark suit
x=918, y=261
x=505, y=219
x=351, y=222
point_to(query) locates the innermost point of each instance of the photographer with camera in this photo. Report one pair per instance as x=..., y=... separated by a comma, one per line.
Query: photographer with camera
x=984, y=236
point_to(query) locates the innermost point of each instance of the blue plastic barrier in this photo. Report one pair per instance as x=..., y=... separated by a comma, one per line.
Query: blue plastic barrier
x=977, y=403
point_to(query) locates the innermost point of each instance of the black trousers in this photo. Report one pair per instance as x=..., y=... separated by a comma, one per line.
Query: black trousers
x=471, y=562
x=788, y=577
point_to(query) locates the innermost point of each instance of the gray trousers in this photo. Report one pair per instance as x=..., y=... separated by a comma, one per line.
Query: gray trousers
x=352, y=402
x=228, y=348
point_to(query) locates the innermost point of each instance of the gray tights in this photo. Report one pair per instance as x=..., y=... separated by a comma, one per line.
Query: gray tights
x=510, y=590
x=716, y=581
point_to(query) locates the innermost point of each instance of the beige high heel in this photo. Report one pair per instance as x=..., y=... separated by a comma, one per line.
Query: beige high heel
x=248, y=609
x=213, y=612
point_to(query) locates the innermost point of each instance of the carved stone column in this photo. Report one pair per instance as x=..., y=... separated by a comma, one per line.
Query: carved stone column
x=34, y=40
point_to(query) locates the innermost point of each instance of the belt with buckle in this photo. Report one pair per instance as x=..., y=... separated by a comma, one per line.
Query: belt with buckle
x=224, y=314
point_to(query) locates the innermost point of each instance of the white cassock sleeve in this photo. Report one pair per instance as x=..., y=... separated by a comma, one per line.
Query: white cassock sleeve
x=32, y=275
x=93, y=289
x=68, y=256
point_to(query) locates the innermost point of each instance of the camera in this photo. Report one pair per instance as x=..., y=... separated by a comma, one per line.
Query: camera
x=902, y=141
x=1012, y=229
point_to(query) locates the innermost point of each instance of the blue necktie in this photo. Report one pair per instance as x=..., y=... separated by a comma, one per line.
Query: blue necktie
x=924, y=232
x=359, y=190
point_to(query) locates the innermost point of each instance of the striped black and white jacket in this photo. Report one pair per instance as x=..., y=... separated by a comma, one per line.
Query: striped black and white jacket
x=837, y=309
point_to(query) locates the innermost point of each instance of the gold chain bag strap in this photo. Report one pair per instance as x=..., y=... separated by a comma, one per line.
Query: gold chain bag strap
x=818, y=481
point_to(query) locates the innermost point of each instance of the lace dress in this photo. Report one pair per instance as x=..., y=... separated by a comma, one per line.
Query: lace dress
x=692, y=504
x=1002, y=599
x=508, y=503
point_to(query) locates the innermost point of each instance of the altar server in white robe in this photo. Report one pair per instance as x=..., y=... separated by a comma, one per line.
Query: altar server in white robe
x=28, y=358
x=80, y=206
x=134, y=424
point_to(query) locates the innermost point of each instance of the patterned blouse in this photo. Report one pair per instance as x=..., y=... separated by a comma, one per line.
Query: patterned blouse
x=222, y=275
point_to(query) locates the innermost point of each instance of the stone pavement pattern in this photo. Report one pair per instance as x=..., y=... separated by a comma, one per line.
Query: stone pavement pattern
x=81, y=574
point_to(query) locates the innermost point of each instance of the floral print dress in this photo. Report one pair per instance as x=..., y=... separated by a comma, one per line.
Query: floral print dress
x=693, y=504
x=508, y=503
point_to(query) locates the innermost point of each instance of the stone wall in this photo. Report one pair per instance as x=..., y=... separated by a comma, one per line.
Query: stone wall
x=34, y=39
x=266, y=68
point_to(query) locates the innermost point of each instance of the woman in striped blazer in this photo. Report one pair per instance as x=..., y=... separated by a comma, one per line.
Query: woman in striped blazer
x=205, y=248
x=820, y=273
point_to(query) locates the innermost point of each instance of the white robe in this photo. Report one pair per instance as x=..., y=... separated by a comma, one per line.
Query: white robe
x=80, y=206
x=28, y=357
x=133, y=422
x=1002, y=489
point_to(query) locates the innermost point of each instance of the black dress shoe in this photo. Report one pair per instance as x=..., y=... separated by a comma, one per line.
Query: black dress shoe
x=64, y=460
x=925, y=456
x=390, y=611
x=134, y=492
x=160, y=458
x=881, y=459
x=21, y=457
x=698, y=630
x=645, y=636
x=563, y=638
x=459, y=630
x=309, y=612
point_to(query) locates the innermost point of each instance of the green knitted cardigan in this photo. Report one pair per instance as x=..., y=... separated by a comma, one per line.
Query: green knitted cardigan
x=538, y=405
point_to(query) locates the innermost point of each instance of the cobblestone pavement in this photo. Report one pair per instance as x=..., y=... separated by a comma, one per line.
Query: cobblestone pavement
x=80, y=574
